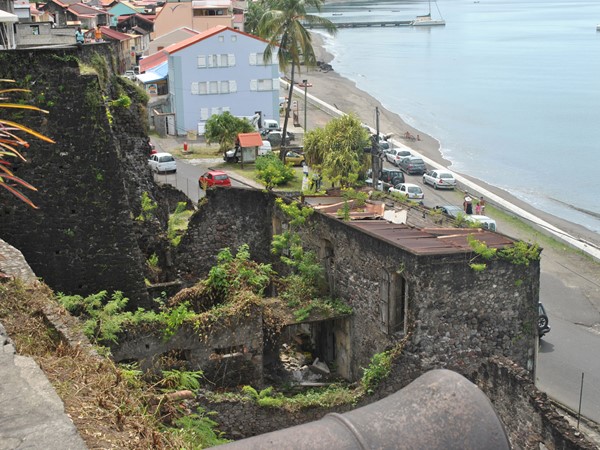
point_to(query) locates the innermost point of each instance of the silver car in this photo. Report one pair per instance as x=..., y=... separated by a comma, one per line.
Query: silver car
x=162, y=163
x=439, y=179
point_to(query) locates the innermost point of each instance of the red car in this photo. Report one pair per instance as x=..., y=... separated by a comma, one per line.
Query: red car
x=214, y=178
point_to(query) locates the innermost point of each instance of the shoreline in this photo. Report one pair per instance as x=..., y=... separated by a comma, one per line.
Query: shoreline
x=343, y=94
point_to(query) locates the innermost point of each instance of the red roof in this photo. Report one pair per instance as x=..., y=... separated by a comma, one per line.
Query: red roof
x=250, y=139
x=114, y=35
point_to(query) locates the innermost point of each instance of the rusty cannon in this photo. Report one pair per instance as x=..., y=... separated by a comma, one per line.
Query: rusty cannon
x=439, y=410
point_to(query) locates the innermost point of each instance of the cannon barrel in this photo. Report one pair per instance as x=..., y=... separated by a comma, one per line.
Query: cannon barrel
x=439, y=410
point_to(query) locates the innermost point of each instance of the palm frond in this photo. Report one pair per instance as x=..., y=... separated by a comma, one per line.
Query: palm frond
x=18, y=194
x=26, y=130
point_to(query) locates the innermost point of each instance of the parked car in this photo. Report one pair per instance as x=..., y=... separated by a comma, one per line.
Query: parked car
x=275, y=138
x=450, y=210
x=543, y=326
x=409, y=190
x=439, y=179
x=484, y=221
x=294, y=158
x=269, y=125
x=412, y=165
x=390, y=178
x=394, y=155
x=214, y=178
x=162, y=163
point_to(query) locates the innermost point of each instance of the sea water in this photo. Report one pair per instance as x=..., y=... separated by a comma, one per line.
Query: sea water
x=510, y=88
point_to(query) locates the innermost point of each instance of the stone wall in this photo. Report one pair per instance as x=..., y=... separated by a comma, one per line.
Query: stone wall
x=240, y=420
x=455, y=316
x=229, y=351
x=226, y=218
x=81, y=239
x=529, y=417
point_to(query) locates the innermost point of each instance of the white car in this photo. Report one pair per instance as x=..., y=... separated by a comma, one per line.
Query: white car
x=439, y=179
x=394, y=155
x=483, y=221
x=409, y=190
x=162, y=163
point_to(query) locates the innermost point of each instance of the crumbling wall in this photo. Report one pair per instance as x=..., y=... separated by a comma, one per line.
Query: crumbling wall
x=226, y=218
x=529, y=417
x=229, y=351
x=81, y=239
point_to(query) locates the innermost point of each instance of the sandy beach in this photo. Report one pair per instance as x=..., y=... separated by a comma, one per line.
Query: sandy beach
x=345, y=96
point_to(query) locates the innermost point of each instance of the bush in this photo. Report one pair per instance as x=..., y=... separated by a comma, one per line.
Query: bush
x=271, y=170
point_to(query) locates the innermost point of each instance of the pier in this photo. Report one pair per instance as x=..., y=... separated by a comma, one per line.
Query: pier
x=390, y=23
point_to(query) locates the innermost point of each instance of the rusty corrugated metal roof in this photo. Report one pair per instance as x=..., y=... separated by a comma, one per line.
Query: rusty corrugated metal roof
x=430, y=241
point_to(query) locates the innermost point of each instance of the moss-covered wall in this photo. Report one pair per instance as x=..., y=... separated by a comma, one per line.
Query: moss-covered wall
x=82, y=239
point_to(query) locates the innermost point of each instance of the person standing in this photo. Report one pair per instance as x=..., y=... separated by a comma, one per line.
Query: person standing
x=482, y=205
x=79, y=37
x=98, y=34
x=468, y=204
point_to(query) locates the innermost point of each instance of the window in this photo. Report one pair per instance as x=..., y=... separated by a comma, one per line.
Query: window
x=392, y=303
x=221, y=38
x=213, y=87
x=201, y=61
x=233, y=38
x=257, y=59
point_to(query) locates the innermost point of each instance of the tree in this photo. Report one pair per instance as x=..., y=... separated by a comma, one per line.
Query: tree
x=338, y=149
x=9, y=141
x=283, y=26
x=224, y=128
x=253, y=15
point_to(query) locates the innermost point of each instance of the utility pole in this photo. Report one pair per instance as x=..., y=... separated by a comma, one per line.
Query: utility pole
x=305, y=87
x=375, y=152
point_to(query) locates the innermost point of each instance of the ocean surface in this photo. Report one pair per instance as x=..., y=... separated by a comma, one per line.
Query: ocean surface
x=510, y=88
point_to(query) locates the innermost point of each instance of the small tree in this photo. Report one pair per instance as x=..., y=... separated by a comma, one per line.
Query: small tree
x=224, y=128
x=338, y=149
x=272, y=171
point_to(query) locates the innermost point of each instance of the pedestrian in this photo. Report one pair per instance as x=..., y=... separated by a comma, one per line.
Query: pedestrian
x=468, y=204
x=319, y=179
x=478, y=209
x=79, y=37
x=305, y=169
x=482, y=205
x=98, y=34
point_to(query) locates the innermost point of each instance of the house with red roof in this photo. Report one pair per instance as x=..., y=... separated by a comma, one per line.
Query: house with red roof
x=74, y=13
x=217, y=70
x=200, y=15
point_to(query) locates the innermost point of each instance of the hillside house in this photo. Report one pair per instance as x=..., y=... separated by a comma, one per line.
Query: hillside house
x=199, y=15
x=215, y=71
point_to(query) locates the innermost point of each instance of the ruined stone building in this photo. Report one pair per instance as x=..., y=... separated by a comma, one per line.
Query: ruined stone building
x=407, y=286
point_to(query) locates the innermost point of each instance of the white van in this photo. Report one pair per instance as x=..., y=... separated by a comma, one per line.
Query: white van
x=269, y=125
x=265, y=148
x=485, y=222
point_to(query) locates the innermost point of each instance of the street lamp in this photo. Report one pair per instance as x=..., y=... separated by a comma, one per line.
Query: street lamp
x=305, y=82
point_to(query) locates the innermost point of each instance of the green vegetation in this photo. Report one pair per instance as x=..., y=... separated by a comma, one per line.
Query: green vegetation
x=377, y=371
x=272, y=171
x=337, y=150
x=224, y=128
x=178, y=222
x=122, y=102
x=520, y=253
x=148, y=207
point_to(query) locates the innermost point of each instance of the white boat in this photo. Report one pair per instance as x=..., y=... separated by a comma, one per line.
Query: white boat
x=426, y=20
x=598, y=27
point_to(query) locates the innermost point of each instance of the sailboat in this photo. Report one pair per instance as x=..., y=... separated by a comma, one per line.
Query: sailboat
x=426, y=20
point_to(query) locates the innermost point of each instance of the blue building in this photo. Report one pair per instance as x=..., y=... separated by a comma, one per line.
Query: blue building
x=218, y=70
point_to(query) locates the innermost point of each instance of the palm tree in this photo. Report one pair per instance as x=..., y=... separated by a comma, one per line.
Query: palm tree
x=283, y=26
x=9, y=141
